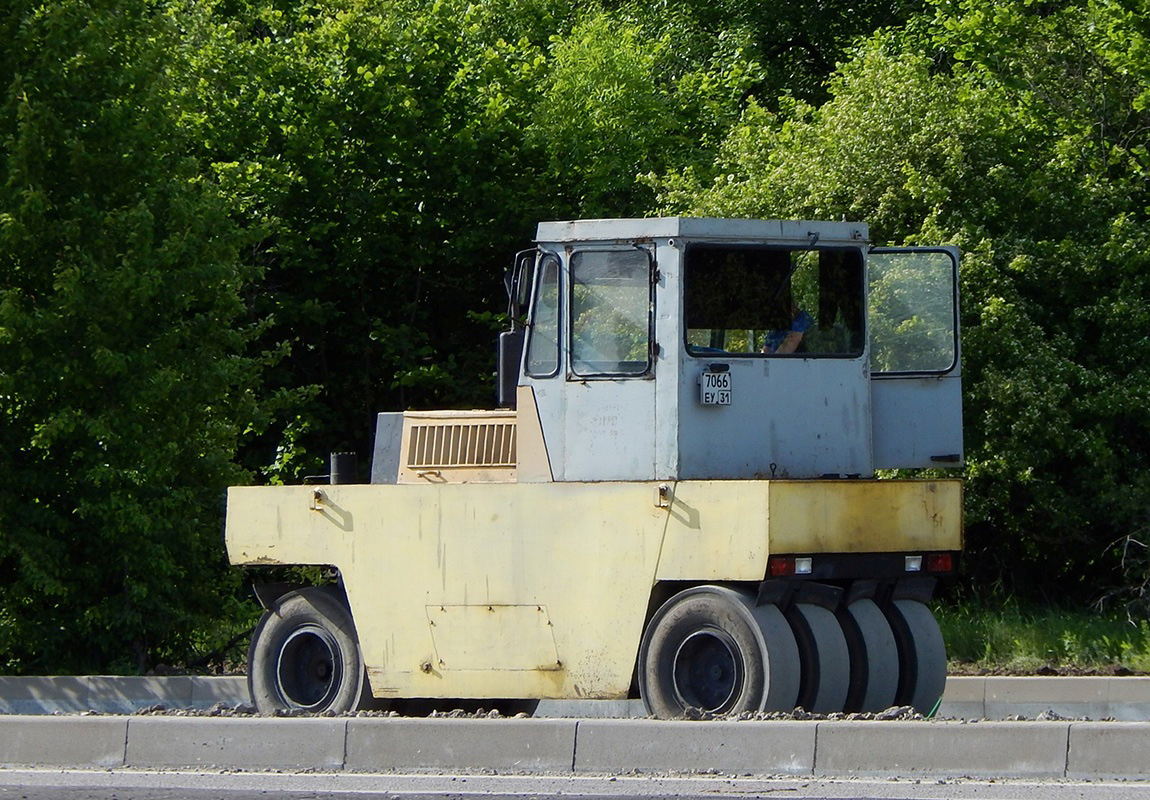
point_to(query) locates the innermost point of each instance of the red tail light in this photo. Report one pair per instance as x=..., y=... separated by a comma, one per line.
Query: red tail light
x=779, y=566
x=939, y=562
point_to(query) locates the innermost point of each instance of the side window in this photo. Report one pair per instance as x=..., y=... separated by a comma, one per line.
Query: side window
x=610, y=312
x=774, y=301
x=543, y=342
x=913, y=311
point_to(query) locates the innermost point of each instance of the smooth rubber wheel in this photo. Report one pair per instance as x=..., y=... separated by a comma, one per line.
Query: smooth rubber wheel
x=873, y=657
x=705, y=653
x=305, y=656
x=824, y=657
x=784, y=667
x=922, y=655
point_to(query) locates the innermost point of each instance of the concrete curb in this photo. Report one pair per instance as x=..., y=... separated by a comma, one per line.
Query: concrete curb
x=1036, y=750
x=64, y=741
x=991, y=697
x=999, y=749
x=246, y=742
x=116, y=694
x=511, y=745
x=761, y=748
x=996, y=697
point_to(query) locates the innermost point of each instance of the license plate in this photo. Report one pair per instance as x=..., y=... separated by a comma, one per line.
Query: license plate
x=715, y=389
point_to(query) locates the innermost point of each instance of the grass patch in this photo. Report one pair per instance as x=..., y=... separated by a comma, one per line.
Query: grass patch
x=1009, y=637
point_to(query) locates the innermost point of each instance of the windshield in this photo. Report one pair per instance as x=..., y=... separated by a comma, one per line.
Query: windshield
x=774, y=301
x=610, y=312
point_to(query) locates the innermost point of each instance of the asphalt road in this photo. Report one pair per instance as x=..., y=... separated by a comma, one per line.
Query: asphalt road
x=142, y=785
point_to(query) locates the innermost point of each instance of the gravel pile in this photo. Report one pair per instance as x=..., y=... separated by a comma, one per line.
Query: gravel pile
x=900, y=713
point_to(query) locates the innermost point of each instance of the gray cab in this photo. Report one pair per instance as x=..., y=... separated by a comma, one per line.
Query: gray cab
x=684, y=348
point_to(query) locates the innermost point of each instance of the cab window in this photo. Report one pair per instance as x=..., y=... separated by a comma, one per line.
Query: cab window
x=913, y=311
x=610, y=312
x=543, y=342
x=774, y=301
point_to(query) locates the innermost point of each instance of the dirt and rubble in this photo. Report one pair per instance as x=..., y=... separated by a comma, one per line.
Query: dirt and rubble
x=896, y=713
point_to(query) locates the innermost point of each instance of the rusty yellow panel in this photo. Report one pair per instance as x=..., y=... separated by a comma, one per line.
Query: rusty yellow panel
x=585, y=552
x=583, y=555
x=491, y=637
x=865, y=516
x=716, y=531
x=724, y=530
x=287, y=525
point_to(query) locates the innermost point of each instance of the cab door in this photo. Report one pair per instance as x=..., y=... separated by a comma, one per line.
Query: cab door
x=914, y=356
x=610, y=378
x=589, y=365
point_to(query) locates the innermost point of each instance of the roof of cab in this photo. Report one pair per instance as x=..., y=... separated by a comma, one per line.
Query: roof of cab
x=701, y=228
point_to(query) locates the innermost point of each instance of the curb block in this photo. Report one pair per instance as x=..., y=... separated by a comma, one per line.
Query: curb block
x=116, y=694
x=653, y=746
x=999, y=697
x=999, y=749
x=20, y=695
x=1037, y=750
x=63, y=741
x=1116, y=749
x=256, y=743
x=1028, y=697
x=123, y=695
x=519, y=745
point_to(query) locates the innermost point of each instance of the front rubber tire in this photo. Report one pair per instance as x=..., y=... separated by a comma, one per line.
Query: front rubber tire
x=304, y=656
x=706, y=652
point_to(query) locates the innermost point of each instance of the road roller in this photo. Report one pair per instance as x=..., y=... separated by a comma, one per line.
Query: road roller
x=717, y=477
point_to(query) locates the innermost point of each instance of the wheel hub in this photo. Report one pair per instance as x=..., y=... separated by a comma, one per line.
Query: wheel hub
x=308, y=668
x=708, y=673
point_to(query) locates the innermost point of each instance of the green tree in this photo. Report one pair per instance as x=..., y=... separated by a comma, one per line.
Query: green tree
x=124, y=388
x=378, y=146
x=601, y=113
x=796, y=47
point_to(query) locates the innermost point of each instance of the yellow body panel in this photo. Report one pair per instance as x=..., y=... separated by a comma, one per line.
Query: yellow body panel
x=541, y=590
x=865, y=516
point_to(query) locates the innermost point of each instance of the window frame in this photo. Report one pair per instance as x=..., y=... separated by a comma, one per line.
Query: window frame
x=789, y=248
x=536, y=290
x=649, y=370
x=956, y=354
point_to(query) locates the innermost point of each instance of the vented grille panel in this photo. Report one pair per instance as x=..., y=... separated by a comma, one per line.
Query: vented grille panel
x=467, y=445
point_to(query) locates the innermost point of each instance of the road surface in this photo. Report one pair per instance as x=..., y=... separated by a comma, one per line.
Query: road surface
x=187, y=785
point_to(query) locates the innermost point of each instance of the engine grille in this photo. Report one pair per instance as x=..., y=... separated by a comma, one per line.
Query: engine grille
x=458, y=447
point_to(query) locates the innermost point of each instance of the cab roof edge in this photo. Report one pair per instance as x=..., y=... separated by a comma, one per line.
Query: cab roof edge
x=703, y=228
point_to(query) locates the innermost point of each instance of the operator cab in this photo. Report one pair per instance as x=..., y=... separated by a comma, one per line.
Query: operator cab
x=682, y=348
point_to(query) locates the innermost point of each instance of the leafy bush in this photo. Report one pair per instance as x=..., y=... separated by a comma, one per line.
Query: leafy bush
x=125, y=383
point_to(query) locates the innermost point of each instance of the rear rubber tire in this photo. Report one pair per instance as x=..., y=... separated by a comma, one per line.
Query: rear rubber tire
x=705, y=653
x=783, y=665
x=873, y=657
x=922, y=655
x=304, y=656
x=825, y=661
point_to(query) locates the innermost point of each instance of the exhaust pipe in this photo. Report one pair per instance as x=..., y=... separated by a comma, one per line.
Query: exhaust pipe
x=344, y=468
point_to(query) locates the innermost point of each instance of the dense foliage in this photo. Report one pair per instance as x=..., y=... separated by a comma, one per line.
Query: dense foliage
x=233, y=230
x=125, y=378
